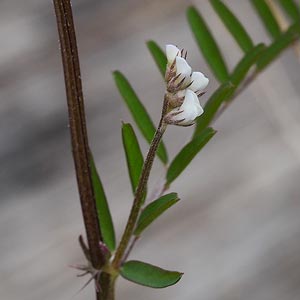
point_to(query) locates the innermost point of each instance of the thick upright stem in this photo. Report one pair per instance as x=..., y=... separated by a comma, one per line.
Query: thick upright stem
x=78, y=129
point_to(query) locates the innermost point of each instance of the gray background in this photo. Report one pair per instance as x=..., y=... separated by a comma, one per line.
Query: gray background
x=236, y=232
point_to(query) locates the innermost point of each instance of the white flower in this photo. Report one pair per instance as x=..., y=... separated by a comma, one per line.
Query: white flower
x=182, y=86
x=187, y=112
x=183, y=72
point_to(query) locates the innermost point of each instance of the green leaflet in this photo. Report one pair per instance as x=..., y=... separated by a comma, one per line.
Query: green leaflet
x=291, y=8
x=159, y=57
x=139, y=113
x=134, y=156
x=104, y=216
x=222, y=94
x=282, y=42
x=187, y=153
x=267, y=17
x=233, y=25
x=149, y=275
x=153, y=210
x=207, y=44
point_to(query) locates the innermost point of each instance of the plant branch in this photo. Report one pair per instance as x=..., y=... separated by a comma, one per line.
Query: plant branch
x=138, y=199
x=80, y=148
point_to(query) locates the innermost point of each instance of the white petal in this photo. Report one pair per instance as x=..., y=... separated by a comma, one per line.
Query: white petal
x=200, y=82
x=185, y=71
x=191, y=105
x=190, y=108
x=171, y=52
x=182, y=67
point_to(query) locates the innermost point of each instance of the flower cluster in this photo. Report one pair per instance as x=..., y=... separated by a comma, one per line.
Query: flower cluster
x=183, y=89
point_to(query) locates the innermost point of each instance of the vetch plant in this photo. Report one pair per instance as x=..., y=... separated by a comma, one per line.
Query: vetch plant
x=180, y=107
x=105, y=258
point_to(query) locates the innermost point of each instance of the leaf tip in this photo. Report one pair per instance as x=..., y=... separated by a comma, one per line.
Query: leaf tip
x=190, y=8
x=116, y=73
x=149, y=42
x=212, y=130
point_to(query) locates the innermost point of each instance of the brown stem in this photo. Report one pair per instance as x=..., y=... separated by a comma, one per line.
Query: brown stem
x=80, y=148
x=78, y=129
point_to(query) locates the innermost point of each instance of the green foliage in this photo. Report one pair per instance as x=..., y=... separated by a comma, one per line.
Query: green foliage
x=134, y=156
x=258, y=57
x=187, y=153
x=233, y=25
x=267, y=17
x=207, y=44
x=153, y=210
x=159, y=56
x=138, y=112
x=104, y=216
x=149, y=275
x=291, y=8
x=255, y=58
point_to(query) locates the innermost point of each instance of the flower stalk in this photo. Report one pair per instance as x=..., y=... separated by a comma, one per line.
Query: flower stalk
x=138, y=199
x=180, y=107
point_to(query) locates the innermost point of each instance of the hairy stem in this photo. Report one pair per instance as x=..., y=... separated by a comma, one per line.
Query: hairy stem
x=78, y=129
x=80, y=148
x=138, y=199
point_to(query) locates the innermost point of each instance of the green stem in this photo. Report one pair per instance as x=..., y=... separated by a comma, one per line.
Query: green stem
x=138, y=199
x=108, y=281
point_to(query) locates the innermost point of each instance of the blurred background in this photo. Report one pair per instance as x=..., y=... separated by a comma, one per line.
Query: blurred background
x=235, y=233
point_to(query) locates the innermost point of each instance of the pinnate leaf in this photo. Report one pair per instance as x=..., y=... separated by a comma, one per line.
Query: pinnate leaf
x=148, y=275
